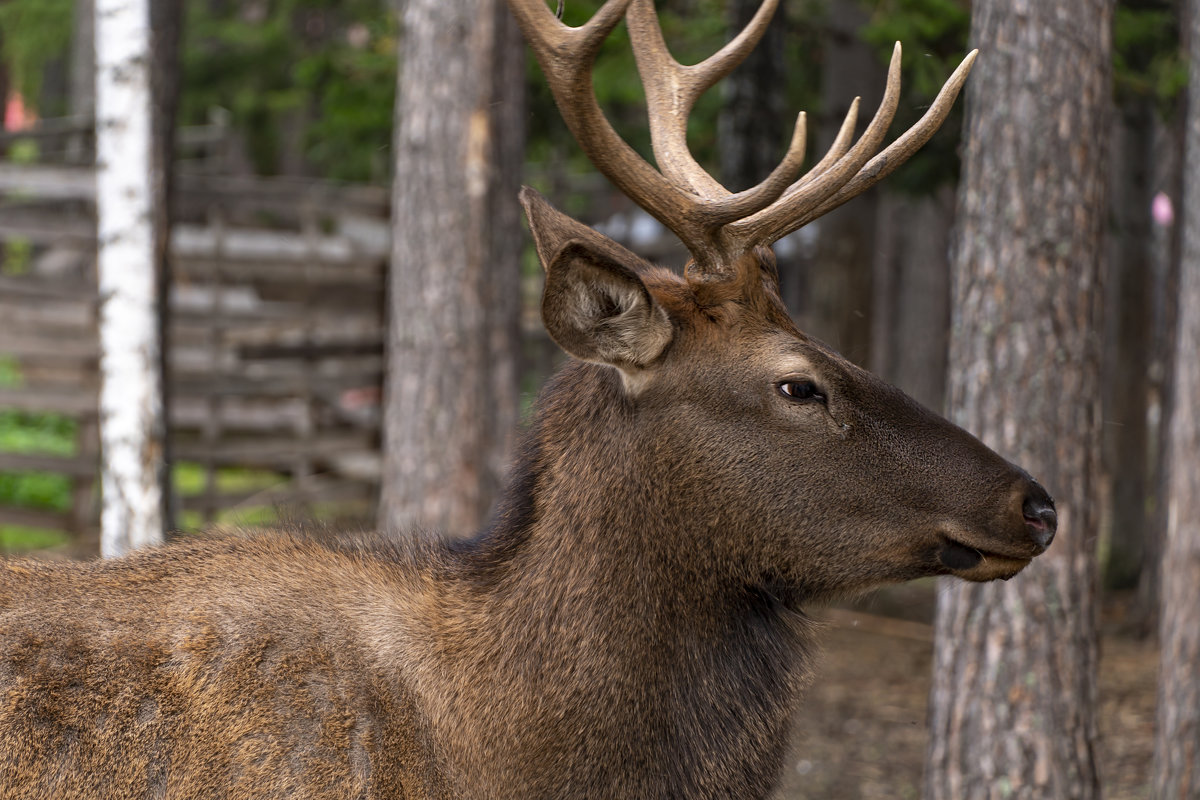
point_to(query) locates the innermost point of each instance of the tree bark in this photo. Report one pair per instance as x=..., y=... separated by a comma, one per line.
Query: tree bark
x=1127, y=349
x=166, y=19
x=1177, y=742
x=451, y=392
x=1014, y=692
x=131, y=410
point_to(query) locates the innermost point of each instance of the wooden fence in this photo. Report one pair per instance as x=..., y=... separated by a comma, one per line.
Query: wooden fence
x=275, y=341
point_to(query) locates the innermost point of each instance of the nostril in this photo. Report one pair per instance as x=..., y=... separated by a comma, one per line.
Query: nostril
x=1040, y=517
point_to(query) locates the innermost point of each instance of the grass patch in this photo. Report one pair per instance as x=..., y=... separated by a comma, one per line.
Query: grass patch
x=44, y=490
x=18, y=539
x=190, y=478
x=24, y=432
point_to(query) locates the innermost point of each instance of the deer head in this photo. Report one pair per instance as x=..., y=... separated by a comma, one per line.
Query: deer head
x=817, y=475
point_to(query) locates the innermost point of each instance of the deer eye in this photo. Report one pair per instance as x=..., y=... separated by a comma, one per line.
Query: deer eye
x=801, y=391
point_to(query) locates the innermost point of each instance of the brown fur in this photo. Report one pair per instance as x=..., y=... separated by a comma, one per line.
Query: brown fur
x=628, y=626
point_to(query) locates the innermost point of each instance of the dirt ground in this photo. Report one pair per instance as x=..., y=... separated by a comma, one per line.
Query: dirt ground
x=861, y=733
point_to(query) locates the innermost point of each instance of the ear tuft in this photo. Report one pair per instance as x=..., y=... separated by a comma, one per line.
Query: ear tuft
x=599, y=310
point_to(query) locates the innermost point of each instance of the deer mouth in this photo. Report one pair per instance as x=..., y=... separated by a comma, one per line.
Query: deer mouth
x=974, y=564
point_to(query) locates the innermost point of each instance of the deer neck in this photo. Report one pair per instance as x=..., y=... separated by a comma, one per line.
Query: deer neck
x=596, y=613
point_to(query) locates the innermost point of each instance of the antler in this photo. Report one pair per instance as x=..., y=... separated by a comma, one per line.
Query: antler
x=716, y=225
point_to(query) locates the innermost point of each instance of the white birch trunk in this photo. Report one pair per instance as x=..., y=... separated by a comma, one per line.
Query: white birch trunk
x=131, y=414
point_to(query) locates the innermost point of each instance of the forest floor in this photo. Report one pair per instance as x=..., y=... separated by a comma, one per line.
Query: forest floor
x=861, y=732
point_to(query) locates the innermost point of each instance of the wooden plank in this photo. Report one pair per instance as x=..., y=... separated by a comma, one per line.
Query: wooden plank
x=51, y=128
x=52, y=181
x=35, y=518
x=38, y=288
x=274, y=386
x=48, y=181
x=357, y=272
x=319, y=490
x=50, y=348
x=74, y=466
x=277, y=451
x=56, y=401
x=48, y=228
x=263, y=246
x=310, y=350
x=76, y=314
x=198, y=192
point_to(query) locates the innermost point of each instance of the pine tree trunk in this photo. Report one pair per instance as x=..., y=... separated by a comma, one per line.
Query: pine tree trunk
x=1167, y=242
x=1014, y=692
x=166, y=19
x=131, y=411
x=1177, y=744
x=451, y=393
x=1127, y=344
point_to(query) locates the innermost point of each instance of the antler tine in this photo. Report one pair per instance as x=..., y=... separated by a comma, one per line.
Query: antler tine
x=752, y=200
x=841, y=143
x=672, y=89
x=903, y=148
x=781, y=217
x=800, y=206
x=566, y=55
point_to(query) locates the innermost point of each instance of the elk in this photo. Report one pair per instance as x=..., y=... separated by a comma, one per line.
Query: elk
x=631, y=622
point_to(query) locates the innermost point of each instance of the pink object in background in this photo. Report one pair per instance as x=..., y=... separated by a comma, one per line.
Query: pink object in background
x=17, y=116
x=1162, y=210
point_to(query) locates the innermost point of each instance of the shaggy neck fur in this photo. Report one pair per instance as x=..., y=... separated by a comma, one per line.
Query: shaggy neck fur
x=591, y=644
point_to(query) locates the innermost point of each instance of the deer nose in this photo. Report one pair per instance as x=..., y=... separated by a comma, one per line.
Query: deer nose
x=1041, y=520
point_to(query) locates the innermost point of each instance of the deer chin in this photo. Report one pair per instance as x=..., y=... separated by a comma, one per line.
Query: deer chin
x=973, y=564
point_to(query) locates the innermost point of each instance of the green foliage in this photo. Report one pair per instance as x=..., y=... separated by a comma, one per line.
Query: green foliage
x=934, y=35
x=320, y=69
x=1147, y=59
x=20, y=538
x=23, y=432
x=934, y=38
x=52, y=434
x=42, y=490
x=36, y=32
x=190, y=479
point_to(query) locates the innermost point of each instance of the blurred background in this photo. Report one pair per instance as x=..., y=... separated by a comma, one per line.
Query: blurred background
x=287, y=138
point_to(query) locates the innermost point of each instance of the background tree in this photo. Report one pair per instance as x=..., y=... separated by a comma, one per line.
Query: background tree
x=132, y=430
x=838, y=287
x=1014, y=693
x=451, y=386
x=309, y=85
x=910, y=304
x=1177, y=743
x=1148, y=77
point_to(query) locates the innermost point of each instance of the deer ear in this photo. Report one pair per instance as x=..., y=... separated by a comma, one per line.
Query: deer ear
x=552, y=229
x=599, y=310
